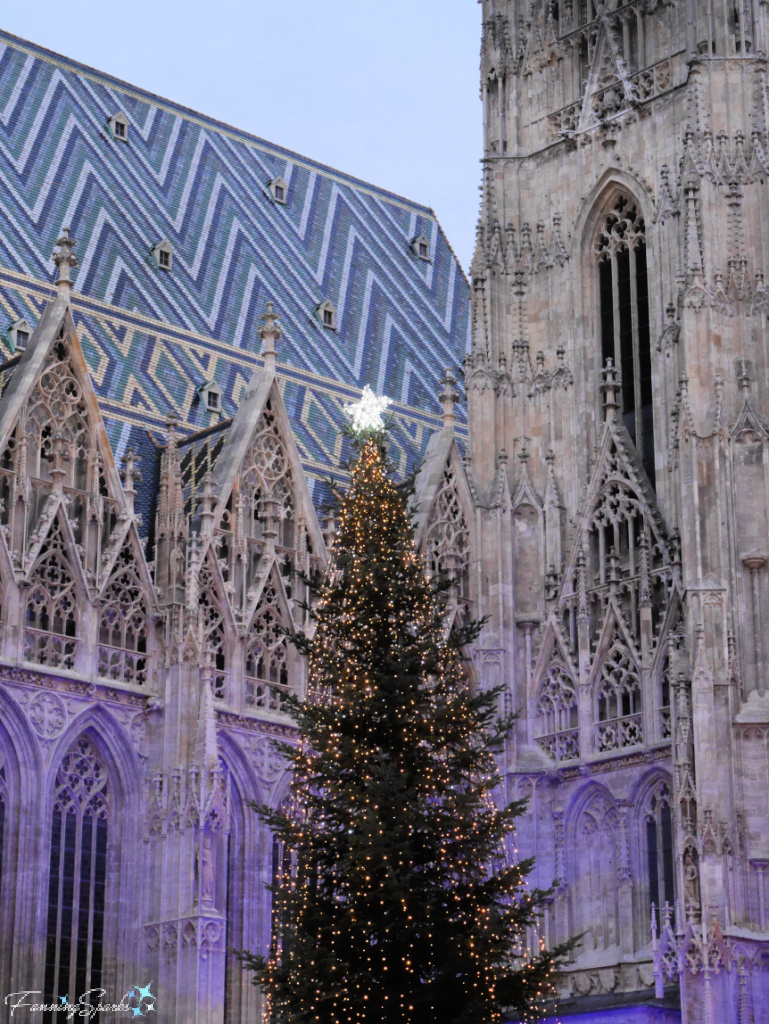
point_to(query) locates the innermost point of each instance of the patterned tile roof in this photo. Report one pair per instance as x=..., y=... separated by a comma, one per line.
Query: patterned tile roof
x=142, y=370
x=153, y=337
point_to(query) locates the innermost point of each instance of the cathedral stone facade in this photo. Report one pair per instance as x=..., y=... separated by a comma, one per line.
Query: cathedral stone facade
x=600, y=499
x=617, y=457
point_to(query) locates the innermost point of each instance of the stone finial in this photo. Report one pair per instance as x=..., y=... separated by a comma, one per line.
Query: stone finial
x=270, y=333
x=65, y=259
x=449, y=396
x=610, y=385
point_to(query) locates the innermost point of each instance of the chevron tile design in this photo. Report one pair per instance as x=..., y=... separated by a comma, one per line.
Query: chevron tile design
x=143, y=370
x=203, y=186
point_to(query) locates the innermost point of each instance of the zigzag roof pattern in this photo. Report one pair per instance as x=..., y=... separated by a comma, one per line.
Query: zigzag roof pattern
x=152, y=337
x=143, y=370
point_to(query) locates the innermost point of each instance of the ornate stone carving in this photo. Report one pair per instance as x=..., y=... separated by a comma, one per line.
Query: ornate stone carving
x=47, y=714
x=557, y=715
x=269, y=763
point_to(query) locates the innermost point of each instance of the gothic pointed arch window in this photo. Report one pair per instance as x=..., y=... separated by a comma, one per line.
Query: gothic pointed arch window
x=557, y=715
x=624, y=316
x=123, y=627
x=57, y=414
x=447, y=538
x=658, y=841
x=268, y=485
x=619, y=722
x=267, y=654
x=74, y=955
x=50, y=630
x=595, y=864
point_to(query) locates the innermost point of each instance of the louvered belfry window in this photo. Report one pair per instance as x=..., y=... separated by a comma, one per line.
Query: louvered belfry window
x=624, y=298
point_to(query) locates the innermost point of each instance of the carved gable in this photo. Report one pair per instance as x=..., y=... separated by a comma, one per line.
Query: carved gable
x=70, y=536
x=249, y=500
x=611, y=614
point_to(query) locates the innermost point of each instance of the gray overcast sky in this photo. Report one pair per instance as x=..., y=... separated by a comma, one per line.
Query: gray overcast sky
x=385, y=91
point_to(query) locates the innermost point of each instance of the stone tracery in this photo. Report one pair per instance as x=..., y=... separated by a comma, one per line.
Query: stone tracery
x=267, y=654
x=619, y=722
x=57, y=410
x=598, y=859
x=123, y=627
x=212, y=632
x=447, y=539
x=51, y=626
x=267, y=482
x=557, y=715
x=78, y=872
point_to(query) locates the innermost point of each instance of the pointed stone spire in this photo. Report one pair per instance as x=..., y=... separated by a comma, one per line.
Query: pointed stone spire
x=270, y=334
x=65, y=259
x=449, y=396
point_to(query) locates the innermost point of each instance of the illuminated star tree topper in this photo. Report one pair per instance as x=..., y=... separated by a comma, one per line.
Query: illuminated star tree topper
x=366, y=415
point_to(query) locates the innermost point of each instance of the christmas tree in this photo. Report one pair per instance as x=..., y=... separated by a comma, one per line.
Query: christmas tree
x=399, y=900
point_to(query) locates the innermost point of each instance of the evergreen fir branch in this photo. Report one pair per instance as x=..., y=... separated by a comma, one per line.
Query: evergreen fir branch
x=398, y=901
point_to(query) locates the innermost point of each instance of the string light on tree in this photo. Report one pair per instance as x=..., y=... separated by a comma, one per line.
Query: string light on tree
x=399, y=902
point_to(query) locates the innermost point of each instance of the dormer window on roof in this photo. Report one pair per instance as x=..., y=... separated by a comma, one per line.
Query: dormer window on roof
x=163, y=254
x=118, y=127
x=211, y=395
x=326, y=314
x=19, y=334
x=279, y=190
x=421, y=246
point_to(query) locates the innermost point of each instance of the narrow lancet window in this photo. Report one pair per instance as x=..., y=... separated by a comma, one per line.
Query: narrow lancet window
x=659, y=846
x=624, y=299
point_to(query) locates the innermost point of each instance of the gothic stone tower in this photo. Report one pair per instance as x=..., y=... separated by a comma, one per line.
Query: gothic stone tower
x=619, y=461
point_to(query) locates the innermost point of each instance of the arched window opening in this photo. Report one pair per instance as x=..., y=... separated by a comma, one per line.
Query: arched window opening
x=57, y=426
x=659, y=846
x=267, y=655
x=447, y=542
x=78, y=876
x=596, y=863
x=618, y=703
x=557, y=715
x=268, y=487
x=123, y=625
x=624, y=304
x=51, y=610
